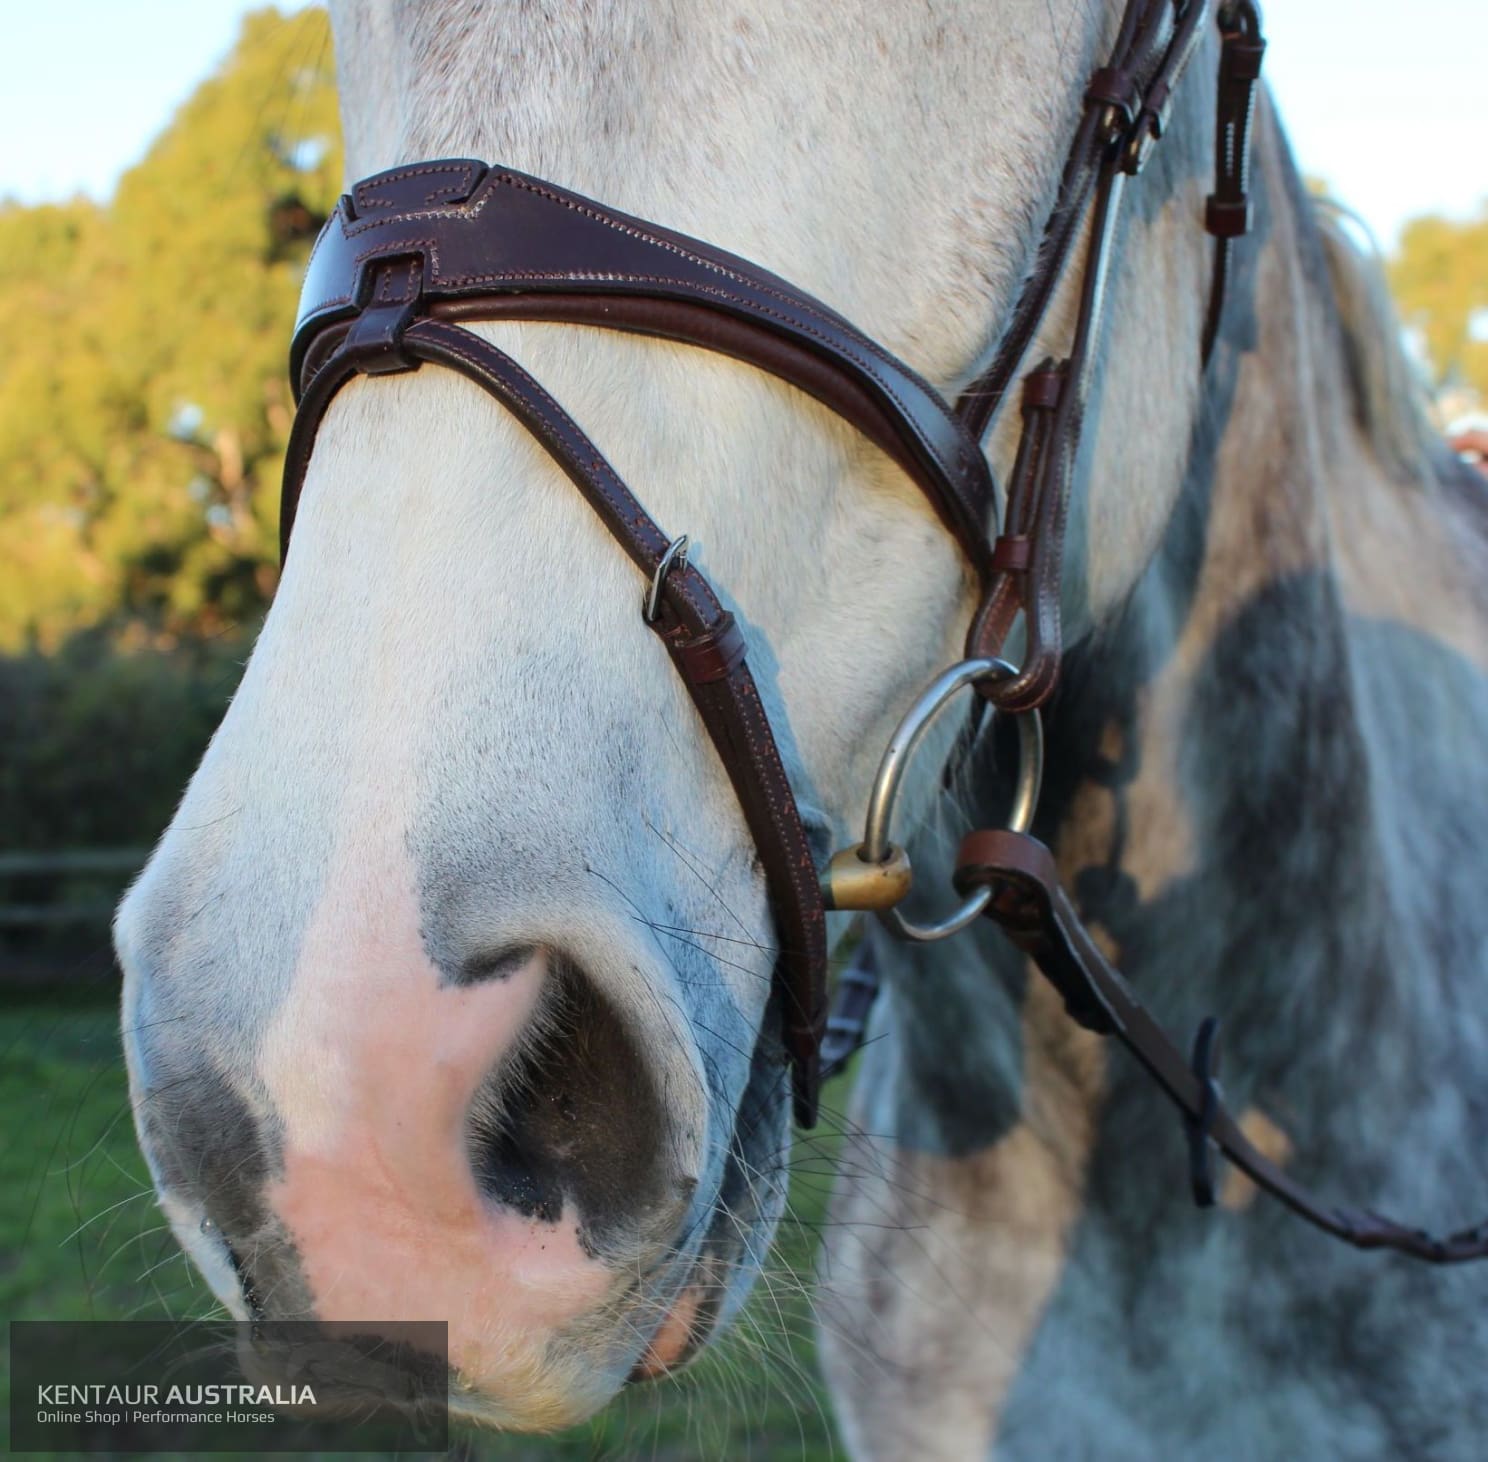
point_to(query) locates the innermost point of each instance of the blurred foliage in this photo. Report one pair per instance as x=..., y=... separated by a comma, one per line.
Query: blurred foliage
x=96, y=744
x=143, y=401
x=1439, y=277
x=144, y=412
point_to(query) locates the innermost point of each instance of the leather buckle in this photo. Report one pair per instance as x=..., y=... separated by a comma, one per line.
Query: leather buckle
x=1141, y=140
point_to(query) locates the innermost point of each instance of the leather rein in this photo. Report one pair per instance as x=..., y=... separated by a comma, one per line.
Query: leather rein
x=411, y=253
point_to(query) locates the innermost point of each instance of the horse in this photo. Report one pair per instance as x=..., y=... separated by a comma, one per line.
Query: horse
x=448, y=991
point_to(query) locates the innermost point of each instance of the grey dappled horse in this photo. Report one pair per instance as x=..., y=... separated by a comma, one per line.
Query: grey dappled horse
x=447, y=989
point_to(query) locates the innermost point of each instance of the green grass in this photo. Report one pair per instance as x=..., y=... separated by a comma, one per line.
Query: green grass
x=81, y=1238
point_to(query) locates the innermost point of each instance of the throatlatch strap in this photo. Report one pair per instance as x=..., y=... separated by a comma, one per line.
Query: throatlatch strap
x=1227, y=213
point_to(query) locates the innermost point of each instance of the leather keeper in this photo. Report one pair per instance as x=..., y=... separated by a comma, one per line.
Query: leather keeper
x=374, y=344
x=1113, y=87
x=1242, y=59
x=713, y=656
x=1227, y=218
x=1012, y=553
x=1042, y=388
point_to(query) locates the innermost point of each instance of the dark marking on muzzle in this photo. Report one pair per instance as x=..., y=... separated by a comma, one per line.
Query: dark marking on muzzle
x=499, y=964
x=206, y=1145
x=211, y=1153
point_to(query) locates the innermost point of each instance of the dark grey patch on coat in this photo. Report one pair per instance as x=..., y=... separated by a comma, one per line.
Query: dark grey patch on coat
x=208, y=1151
x=1285, y=1342
x=203, y=1141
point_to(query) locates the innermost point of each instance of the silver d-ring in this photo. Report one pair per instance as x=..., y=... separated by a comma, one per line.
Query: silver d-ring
x=907, y=736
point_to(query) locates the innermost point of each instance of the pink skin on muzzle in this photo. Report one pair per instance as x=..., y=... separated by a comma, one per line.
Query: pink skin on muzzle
x=372, y=1066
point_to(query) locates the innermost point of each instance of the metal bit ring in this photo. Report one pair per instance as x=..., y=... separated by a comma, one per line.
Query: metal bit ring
x=917, y=720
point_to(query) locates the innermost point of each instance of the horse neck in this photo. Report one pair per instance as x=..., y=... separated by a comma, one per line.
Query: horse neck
x=1241, y=797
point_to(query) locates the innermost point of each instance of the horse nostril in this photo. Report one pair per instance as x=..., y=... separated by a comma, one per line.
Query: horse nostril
x=512, y=1168
x=574, y=1120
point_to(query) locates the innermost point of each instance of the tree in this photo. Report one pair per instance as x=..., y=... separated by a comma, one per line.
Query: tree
x=1439, y=276
x=143, y=402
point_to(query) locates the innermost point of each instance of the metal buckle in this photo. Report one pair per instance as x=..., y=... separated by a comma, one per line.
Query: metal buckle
x=1139, y=144
x=843, y=888
x=676, y=554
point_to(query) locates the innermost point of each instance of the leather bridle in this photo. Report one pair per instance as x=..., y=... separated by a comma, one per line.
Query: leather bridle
x=411, y=253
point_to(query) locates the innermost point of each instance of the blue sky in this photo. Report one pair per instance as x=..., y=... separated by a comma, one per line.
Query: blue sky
x=1386, y=100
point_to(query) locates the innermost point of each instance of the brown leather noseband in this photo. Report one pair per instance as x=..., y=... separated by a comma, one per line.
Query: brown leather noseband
x=412, y=253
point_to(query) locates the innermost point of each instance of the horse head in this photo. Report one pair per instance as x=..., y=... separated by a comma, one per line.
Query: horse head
x=448, y=992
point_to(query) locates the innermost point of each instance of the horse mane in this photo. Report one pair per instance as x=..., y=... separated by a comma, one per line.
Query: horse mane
x=1388, y=395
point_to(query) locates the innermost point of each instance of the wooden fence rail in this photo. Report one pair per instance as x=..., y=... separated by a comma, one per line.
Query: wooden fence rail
x=116, y=866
